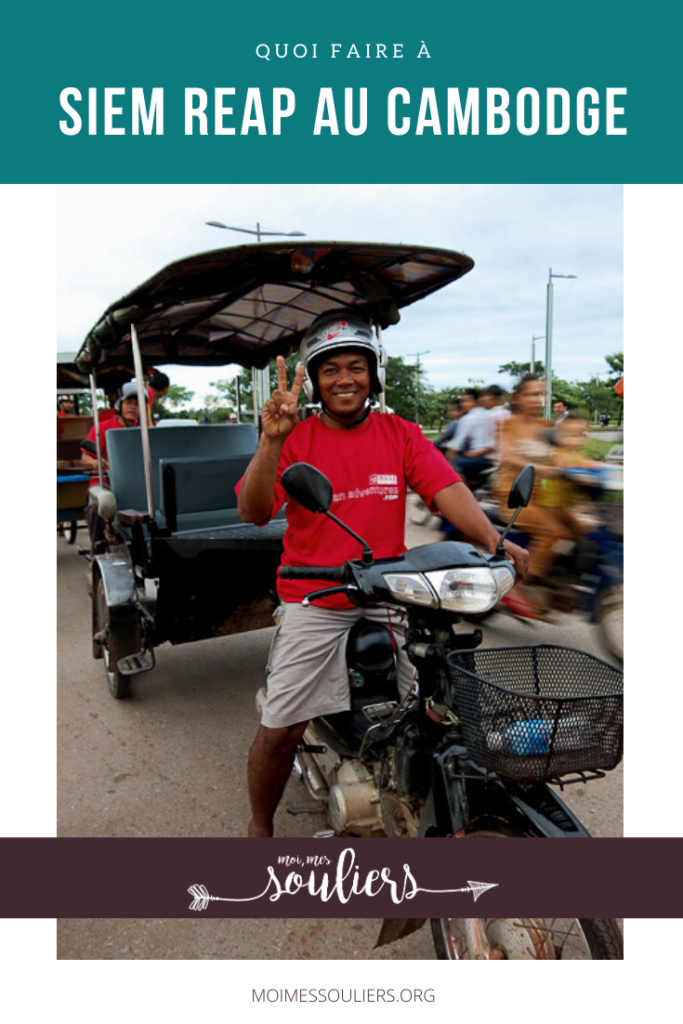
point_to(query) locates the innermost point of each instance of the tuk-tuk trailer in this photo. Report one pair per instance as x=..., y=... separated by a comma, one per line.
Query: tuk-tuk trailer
x=186, y=567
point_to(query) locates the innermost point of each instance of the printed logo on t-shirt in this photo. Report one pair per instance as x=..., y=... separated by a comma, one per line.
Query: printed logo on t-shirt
x=381, y=485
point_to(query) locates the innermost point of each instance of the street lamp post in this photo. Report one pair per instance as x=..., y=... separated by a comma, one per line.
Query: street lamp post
x=260, y=378
x=259, y=231
x=549, y=341
x=534, y=339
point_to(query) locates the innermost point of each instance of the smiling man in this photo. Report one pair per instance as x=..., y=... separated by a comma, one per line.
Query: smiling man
x=371, y=461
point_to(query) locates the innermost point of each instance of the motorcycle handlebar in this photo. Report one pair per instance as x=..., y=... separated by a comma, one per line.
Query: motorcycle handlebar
x=309, y=572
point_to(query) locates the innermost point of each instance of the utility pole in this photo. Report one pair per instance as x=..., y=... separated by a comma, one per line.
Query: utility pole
x=549, y=341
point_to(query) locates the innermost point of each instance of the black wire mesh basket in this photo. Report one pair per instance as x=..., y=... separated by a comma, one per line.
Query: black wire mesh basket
x=535, y=713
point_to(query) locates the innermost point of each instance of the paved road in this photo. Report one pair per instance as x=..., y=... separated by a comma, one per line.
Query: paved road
x=170, y=761
x=615, y=436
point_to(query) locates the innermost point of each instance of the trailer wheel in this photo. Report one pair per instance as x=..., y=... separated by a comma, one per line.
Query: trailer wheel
x=119, y=685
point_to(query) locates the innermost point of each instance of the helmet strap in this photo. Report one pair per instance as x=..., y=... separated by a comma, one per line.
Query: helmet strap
x=361, y=418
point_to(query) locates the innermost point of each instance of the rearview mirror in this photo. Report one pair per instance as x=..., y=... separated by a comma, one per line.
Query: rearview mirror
x=308, y=486
x=520, y=492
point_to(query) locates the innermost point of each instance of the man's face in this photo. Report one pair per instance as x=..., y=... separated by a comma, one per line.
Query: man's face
x=129, y=411
x=344, y=383
x=531, y=398
x=468, y=402
x=67, y=406
x=559, y=408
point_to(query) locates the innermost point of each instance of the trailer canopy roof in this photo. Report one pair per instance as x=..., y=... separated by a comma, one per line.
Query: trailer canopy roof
x=250, y=303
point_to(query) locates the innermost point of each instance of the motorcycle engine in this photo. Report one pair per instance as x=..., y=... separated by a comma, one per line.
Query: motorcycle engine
x=357, y=807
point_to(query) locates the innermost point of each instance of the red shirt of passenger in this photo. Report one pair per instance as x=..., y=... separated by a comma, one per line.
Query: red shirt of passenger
x=109, y=424
x=370, y=468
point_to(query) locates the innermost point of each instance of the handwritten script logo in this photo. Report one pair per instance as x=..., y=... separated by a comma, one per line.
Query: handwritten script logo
x=343, y=881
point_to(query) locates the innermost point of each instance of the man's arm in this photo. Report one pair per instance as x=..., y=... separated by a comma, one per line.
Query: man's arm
x=278, y=419
x=458, y=505
x=257, y=491
x=88, y=460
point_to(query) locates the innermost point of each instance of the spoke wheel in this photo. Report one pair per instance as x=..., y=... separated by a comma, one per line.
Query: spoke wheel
x=526, y=938
x=532, y=939
x=119, y=685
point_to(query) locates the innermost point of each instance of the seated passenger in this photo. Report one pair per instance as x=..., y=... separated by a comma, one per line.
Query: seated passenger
x=126, y=414
x=157, y=388
x=65, y=407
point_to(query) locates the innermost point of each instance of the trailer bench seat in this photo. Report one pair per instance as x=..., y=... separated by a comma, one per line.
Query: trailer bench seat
x=194, y=472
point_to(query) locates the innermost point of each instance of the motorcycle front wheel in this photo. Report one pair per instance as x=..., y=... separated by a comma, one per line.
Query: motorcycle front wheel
x=527, y=939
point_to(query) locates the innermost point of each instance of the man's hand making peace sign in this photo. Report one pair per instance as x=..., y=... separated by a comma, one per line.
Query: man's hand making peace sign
x=278, y=417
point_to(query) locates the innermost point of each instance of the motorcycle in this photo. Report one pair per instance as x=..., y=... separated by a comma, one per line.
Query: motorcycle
x=588, y=574
x=469, y=752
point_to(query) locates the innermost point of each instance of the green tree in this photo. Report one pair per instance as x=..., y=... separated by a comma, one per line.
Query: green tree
x=168, y=407
x=407, y=390
x=519, y=369
x=616, y=363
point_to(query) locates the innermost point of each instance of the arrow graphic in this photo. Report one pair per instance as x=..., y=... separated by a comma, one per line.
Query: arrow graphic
x=477, y=888
x=202, y=897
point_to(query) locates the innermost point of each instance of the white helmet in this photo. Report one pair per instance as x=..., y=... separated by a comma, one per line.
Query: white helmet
x=129, y=390
x=339, y=331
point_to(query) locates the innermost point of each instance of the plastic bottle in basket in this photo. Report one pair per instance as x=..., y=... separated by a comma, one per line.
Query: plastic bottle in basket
x=533, y=736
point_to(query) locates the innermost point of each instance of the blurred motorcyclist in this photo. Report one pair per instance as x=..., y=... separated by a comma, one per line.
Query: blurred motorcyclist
x=524, y=439
x=455, y=412
x=473, y=445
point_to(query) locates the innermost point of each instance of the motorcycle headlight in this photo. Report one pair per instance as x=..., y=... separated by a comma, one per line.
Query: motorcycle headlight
x=471, y=590
x=411, y=588
x=505, y=578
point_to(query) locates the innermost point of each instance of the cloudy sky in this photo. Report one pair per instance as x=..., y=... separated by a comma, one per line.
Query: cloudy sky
x=112, y=237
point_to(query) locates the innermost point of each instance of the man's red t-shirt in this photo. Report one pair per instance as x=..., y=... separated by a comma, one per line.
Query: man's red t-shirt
x=108, y=424
x=370, y=468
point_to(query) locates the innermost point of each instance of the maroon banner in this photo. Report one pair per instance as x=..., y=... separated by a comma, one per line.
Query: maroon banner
x=152, y=878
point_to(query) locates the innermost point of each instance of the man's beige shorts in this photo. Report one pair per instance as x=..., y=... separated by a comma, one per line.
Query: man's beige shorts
x=307, y=672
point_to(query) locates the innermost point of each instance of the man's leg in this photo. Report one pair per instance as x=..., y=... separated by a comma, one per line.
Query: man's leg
x=472, y=468
x=98, y=544
x=270, y=764
x=307, y=677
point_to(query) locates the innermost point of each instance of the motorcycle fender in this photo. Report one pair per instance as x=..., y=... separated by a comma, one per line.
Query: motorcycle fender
x=118, y=580
x=531, y=808
x=457, y=802
x=394, y=928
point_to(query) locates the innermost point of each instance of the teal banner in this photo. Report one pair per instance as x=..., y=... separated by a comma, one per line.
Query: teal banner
x=359, y=93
